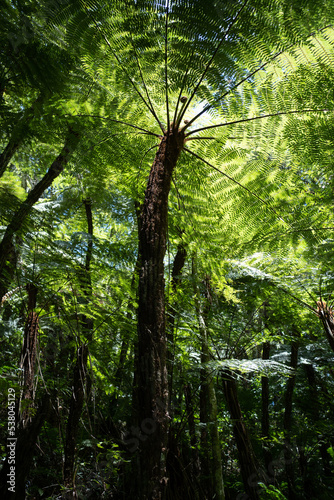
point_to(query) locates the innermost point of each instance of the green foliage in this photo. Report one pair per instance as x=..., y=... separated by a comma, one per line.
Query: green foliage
x=251, y=201
x=270, y=492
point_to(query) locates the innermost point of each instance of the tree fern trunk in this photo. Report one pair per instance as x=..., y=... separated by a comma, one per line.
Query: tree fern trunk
x=248, y=467
x=72, y=426
x=125, y=333
x=325, y=314
x=210, y=443
x=80, y=369
x=177, y=482
x=29, y=426
x=179, y=261
x=265, y=424
x=151, y=376
x=24, y=453
x=288, y=456
x=195, y=464
x=314, y=408
x=28, y=356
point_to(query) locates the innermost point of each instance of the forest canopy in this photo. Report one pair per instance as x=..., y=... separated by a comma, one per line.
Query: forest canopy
x=166, y=250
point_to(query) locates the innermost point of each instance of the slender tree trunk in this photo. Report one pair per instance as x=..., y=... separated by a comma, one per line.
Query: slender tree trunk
x=33, y=196
x=265, y=394
x=28, y=356
x=288, y=455
x=325, y=314
x=28, y=427
x=179, y=481
x=210, y=443
x=72, y=426
x=249, y=470
x=196, y=466
x=122, y=355
x=125, y=334
x=7, y=155
x=24, y=452
x=265, y=424
x=80, y=369
x=179, y=261
x=314, y=406
x=151, y=376
x=8, y=270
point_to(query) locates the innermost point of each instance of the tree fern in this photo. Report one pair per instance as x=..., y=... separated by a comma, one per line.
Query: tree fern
x=192, y=105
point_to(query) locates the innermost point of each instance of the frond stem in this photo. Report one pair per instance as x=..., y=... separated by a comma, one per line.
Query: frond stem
x=148, y=132
x=243, y=80
x=114, y=135
x=232, y=23
x=199, y=138
x=176, y=120
x=123, y=68
x=235, y=182
x=268, y=115
x=166, y=60
x=145, y=87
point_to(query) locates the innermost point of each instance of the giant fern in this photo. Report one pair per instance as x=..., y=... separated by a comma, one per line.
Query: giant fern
x=190, y=98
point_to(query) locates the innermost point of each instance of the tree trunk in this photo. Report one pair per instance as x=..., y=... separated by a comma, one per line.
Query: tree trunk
x=125, y=336
x=180, y=483
x=151, y=377
x=28, y=356
x=28, y=427
x=248, y=467
x=265, y=425
x=314, y=406
x=8, y=154
x=288, y=455
x=33, y=196
x=179, y=261
x=196, y=466
x=24, y=452
x=265, y=394
x=210, y=444
x=80, y=369
x=8, y=271
x=72, y=426
x=325, y=314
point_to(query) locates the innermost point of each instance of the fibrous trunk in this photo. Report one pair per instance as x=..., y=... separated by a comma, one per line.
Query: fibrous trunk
x=210, y=444
x=248, y=467
x=314, y=408
x=288, y=455
x=80, y=368
x=151, y=371
x=179, y=261
x=24, y=453
x=30, y=422
x=28, y=356
x=265, y=424
x=325, y=314
x=75, y=410
x=125, y=334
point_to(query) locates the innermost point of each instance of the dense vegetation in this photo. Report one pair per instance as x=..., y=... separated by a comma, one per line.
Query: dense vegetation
x=166, y=249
